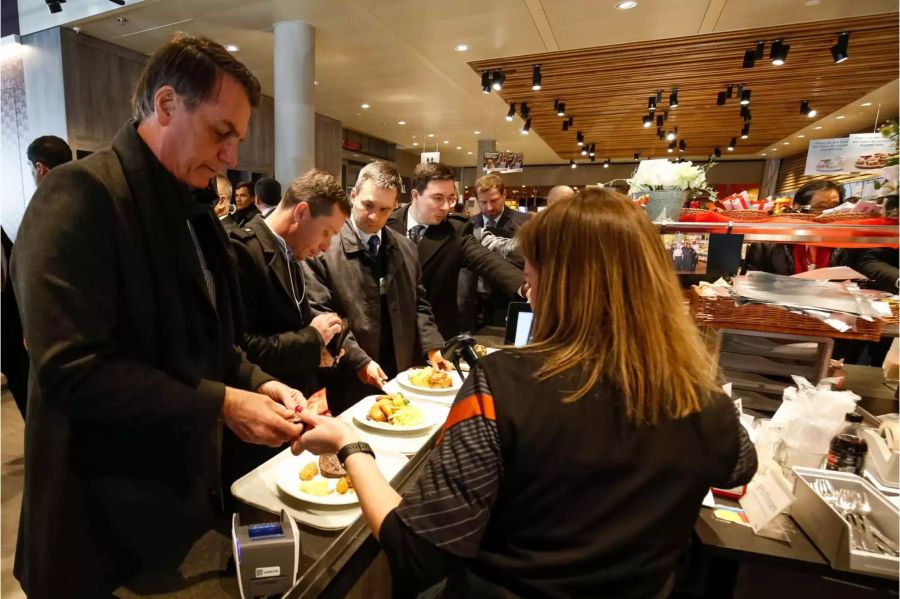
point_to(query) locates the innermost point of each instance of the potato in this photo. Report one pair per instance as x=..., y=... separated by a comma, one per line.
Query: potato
x=343, y=485
x=376, y=414
x=309, y=471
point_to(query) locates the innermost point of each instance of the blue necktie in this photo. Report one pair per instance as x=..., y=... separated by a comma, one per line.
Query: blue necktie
x=416, y=233
x=373, y=246
x=490, y=223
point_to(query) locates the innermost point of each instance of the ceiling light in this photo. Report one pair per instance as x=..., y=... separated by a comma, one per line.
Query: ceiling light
x=779, y=52
x=864, y=104
x=461, y=47
x=446, y=141
x=524, y=110
x=497, y=80
x=431, y=135
x=745, y=131
x=565, y=126
x=485, y=82
x=606, y=164
x=718, y=152
x=813, y=2
x=671, y=135
x=660, y=119
x=749, y=59
x=571, y=120
x=626, y=4
x=648, y=120
x=561, y=109
x=801, y=136
x=729, y=91
x=840, y=116
x=584, y=150
x=745, y=97
x=720, y=99
x=473, y=132
x=671, y=148
x=580, y=138
x=536, y=77
x=593, y=150
x=53, y=7
x=682, y=145
x=673, y=98
x=745, y=113
x=732, y=144
x=364, y=106
x=572, y=164
x=415, y=143
x=763, y=154
x=651, y=103
x=469, y=153
x=526, y=127
x=637, y=155
x=512, y=112
x=817, y=128
x=232, y=47
x=805, y=109
x=401, y=122
x=839, y=50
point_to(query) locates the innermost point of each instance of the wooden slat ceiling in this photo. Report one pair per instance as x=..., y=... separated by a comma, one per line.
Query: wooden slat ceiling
x=606, y=88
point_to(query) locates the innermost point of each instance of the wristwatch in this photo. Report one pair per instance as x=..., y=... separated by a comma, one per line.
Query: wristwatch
x=351, y=448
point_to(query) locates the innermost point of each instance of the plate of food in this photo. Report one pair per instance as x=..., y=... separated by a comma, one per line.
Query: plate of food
x=323, y=481
x=430, y=380
x=829, y=165
x=392, y=413
x=481, y=351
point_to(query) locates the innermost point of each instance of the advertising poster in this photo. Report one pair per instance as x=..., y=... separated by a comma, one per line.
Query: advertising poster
x=826, y=156
x=868, y=152
x=428, y=157
x=502, y=162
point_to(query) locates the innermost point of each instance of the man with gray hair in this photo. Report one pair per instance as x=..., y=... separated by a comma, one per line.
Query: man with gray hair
x=560, y=192
x=223, y=206
x=371, y=275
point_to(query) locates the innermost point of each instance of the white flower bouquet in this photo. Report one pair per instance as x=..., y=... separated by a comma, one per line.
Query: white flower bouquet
x=663, y=175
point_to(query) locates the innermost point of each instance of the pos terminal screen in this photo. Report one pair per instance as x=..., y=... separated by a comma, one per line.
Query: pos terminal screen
x=519, y=318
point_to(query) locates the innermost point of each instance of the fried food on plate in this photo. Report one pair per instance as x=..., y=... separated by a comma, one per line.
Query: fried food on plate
x=430, y=378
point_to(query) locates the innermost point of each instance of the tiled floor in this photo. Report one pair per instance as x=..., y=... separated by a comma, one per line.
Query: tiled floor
x=11, y=455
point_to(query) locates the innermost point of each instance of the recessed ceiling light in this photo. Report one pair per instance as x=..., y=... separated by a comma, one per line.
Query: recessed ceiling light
x=459, y=147
x=840, y=116
x=232, y=47
x=461, y=47
x=315, y=83
x=476, y=132
x=864, y=104
x=446, y=141
x=626, y=5
x=431, y=135
x=401, y=122
x=801, y=136
x=817, y=128
x=763, y=154
x=469, y=153
x=415, y=143
x=813, y=2
x=787, y=143
x=364, y=106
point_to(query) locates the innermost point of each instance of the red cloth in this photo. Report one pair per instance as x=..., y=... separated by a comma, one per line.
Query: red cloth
x=802, y=254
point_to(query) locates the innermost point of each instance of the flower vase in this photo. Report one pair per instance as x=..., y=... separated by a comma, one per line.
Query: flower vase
x=665, y=206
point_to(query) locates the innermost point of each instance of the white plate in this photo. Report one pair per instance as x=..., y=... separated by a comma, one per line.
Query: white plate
x=403, y=380
x=288, y=478
x=360, y=413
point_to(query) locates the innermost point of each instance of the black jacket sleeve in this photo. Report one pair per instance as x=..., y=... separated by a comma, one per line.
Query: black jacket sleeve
x=880, y=265
x=480, y=260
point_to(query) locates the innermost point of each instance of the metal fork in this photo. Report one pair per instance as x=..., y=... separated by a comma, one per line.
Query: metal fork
x=876, y=538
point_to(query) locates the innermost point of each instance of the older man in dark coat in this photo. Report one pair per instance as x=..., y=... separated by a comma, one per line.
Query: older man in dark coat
x=129, y=305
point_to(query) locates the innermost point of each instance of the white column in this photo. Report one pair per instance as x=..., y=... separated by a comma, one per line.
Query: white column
x=295, y=111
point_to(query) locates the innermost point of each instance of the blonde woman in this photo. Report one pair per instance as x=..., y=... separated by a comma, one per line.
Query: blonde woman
x=575, y=466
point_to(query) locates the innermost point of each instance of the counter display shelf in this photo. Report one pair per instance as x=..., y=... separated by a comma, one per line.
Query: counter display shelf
x=841, y=234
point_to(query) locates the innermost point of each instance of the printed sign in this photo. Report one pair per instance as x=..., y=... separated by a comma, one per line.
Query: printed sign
x=428, y=157
x=502, y=162
x=826, y=156
x=868, y=152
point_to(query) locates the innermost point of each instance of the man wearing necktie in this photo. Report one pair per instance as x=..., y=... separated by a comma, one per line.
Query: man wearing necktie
x=281, y=334
x=371, y=275
x=446, y=245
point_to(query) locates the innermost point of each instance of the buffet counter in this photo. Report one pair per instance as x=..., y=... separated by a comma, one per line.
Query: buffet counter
x=346, y=561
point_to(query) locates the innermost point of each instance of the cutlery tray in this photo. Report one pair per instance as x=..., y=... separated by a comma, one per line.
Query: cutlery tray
x=828, y=530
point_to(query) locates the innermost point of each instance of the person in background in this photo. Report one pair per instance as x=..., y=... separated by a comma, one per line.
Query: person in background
x=491, y=195
x=560, y=192
x=128, y=298
x=223, y=206
x=244, y=209
x=45, y=153
x=554, y=474
x=445, y=245
x=371, y=265
x=790, y=259
x=267, y=194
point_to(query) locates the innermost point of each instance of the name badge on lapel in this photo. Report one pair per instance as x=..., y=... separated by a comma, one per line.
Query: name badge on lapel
x=382, y=286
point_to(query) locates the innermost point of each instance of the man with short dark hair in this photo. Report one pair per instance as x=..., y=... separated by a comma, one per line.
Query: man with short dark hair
x=244, y=209
x=281, y=334
x=445, y=245
x=267, y=194
x=129, y=304
x=45, y=153
x=371, y=275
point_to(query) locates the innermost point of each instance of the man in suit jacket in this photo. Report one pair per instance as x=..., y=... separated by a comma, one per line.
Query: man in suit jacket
x=244, y=207
x=281, y=334
x=371, y=275
x=491, y=195
x=129, y=304
x=445, y=245
x=266, y=195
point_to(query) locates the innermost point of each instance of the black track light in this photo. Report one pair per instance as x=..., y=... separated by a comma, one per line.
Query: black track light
x=647, y=120
x=682, y=146
x=720, y=99
x=485, y=82
x=805, y=109
x=659, y=94
x=584, y=150
x=637, y=155
x=606, y=164
x=732, y=144
x=671, y=135
x=536, y=77
x=571, y=120
x=593, y=150
x=660, y=134
x=839, y=50
x=673, y=98
x=651, y=103
x=526, y=127
x=497, y=80
x=512, y=111
x=745, y=131
x=745, y=114
x=524, y=110
x=660, y=119
x=579, y=138
x=749, y=59
x=119, y=2
x=729, y=91
x=561, y=109
x=778, y=53
x=593, y=158
x=565, y=126
x=573, y=164
x=671, y=148
x=745, y=97
x=718, y=152
x=760, y=50
x=53, y=6
x=555, y=104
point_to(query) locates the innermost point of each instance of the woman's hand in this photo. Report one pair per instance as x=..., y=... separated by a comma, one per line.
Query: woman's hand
x=322, y=434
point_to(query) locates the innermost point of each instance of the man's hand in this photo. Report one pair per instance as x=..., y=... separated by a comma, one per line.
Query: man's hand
x=328, y=325
x=328, y=360
x=286, y=396
x=372, y=374
x=324, y=434
x=437, y=360
x=255, y=418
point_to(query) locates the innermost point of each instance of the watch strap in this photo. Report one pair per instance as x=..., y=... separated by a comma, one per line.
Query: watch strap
x=351, y=448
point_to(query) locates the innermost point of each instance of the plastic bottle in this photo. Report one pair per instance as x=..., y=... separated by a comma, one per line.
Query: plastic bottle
x=848, y=448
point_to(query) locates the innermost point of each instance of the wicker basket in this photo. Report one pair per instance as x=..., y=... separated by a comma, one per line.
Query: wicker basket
x=847, y=216
x=793, y=217
x=722, y=313
x=745, y=215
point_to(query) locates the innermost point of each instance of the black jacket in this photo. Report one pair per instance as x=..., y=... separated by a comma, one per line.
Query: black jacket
x=129, y=364
x=778, y=258
x=443, y=251
x=240, y=218
x=509, y=221
x=278, y=336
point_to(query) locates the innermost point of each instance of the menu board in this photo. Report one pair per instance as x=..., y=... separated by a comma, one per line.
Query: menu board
x=502, y=162
x=868, y=151
x=826, y=156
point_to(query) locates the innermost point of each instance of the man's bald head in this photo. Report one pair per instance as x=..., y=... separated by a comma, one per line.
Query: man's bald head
x=560, y=192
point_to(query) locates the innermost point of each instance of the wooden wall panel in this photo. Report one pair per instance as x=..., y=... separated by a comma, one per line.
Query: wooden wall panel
x=329, y=133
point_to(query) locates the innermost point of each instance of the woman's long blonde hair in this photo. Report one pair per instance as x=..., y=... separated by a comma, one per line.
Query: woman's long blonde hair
x=608, y=302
